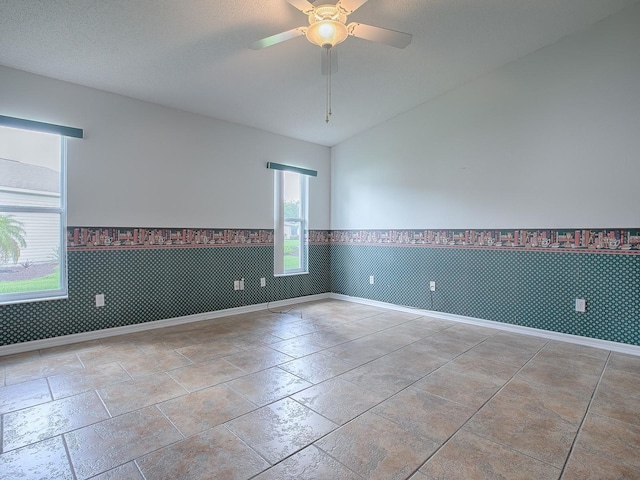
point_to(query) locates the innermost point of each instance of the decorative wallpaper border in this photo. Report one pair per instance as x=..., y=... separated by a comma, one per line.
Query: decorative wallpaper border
x=117, y=238
x=617, y=241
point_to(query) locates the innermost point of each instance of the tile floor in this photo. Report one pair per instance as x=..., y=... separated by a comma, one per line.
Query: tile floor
x=329, y=390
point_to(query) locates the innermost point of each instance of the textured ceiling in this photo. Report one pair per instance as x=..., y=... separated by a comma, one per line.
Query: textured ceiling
x=194, y=55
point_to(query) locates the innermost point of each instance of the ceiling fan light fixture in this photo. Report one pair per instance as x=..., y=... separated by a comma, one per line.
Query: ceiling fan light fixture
x=327, y=33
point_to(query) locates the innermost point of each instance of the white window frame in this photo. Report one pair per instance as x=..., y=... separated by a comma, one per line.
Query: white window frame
x=280, y=220
x=61, y=210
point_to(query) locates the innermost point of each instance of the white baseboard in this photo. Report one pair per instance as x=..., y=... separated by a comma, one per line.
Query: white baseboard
x=562, y=337
x=139, y=327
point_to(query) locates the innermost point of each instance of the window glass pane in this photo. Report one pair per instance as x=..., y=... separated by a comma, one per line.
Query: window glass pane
x=292, y=246
x=292, y=199
x=29, y=168
x=30, y=252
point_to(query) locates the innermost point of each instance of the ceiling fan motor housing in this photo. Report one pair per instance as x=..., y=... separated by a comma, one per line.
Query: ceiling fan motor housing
x=327, y=26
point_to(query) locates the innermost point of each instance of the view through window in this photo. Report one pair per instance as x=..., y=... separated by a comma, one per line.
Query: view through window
x=32, y=215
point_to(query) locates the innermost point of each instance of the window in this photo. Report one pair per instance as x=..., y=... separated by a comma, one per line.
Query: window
x=32, y=210
x=291, y=209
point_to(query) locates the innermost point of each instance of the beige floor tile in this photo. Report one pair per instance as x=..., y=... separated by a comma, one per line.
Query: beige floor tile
x=472, y=364
x=268, y=386
x=197, y=377
x=452, y=341
x=356, y=352
x=316, y=368
x=623, y=382
x=377, y=448
x=280, y=429
x=465, y=389
x=424, y=414
x=415, y=359
x=309, y=464
x=297, y=347
x=249, y=341
x=204, y=409
x=539, y=399
x=469, y=457
x=560, y=378
x=420, y=328
x=40, y=367
x=50, y=419
x=331, y=337
x=468, y=334
x=155, y=363
x=538, y=426
x=216, y=453
x=584, y=465
x=71, y=348
x=502, y=352
x=575, y=349
x=569, y=359
x=110, y=353
x=108, y=444
x=338, y=400
x=257, y=359
x=614, y=440
x=381, y=377
x=134, y=394
x=205, y=352
x=526, y=343
x=17, y=358
x=616, y=404
x=38, y=461
x=625, y=363
x=128, y=471
x=68, y=384
x=22, y=395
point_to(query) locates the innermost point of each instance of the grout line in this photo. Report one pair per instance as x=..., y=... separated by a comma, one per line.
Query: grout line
x=66, y=449
x=584, y=418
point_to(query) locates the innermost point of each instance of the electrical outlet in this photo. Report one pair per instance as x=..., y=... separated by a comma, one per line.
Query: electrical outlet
x=432, y=286
x=242, y=284
x=236, y=284
x=263, y=282
x=100, y=300
x=581, y=305
x=371, y=280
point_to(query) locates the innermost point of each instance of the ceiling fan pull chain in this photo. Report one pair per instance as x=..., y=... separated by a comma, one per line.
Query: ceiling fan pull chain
x=326, y=119
x=330, y=81
x=328, y=106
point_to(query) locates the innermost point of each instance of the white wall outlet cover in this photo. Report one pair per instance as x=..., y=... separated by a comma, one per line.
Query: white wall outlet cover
x=263, y=282
x=371, y=279
x=432, y=286
x=100, y=300
x=242, y=284
x=581, y=305
x=236, y=284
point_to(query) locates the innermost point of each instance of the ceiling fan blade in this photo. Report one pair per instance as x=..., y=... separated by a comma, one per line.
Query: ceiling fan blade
x=380, y=35
x=349, y=6
x=278, y=38
x=324, y=65
x=303, y=5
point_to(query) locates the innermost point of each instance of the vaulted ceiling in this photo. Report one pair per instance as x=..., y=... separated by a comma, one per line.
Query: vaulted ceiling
x=194, y=55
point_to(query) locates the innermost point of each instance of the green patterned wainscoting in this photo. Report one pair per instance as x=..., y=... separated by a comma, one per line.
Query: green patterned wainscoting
x=524, y=287
x=147, y=284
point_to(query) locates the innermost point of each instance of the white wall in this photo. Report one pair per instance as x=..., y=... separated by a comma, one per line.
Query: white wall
x=141, y=164
x=550, y=140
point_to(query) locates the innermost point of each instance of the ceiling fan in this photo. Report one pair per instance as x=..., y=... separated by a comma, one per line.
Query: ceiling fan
x=328, y=27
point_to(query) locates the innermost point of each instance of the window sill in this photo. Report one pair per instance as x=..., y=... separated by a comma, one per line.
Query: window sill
x=290, y=274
